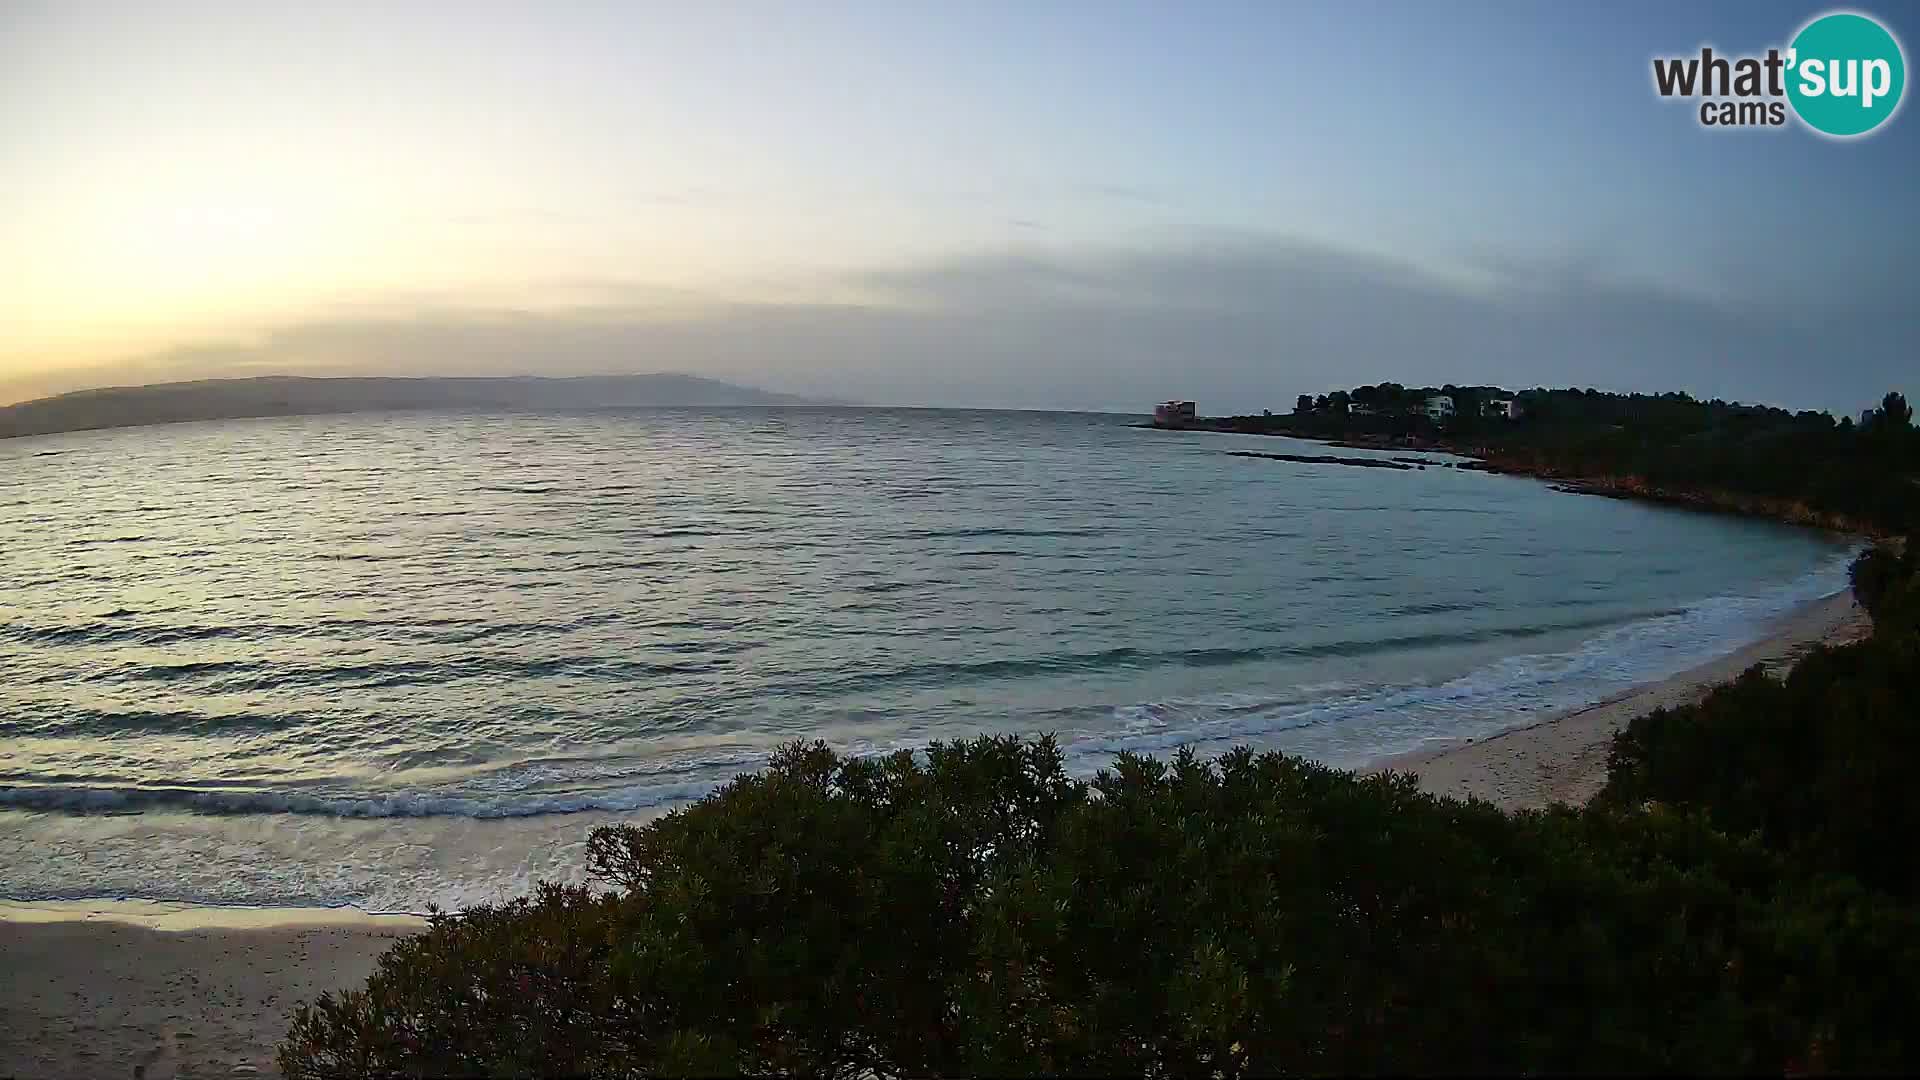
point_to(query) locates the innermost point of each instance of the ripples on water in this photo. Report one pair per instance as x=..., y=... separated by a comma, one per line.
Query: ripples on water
x=478, y=616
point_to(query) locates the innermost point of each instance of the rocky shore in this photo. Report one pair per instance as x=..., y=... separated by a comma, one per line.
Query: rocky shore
x=1483, y=459
x=1311, y=459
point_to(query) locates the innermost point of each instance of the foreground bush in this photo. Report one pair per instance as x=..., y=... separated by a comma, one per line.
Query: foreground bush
x=978, y=911
x=1886, y=580
x=1818, y=766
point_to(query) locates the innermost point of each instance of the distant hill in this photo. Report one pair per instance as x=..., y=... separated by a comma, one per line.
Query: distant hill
x=222, y=399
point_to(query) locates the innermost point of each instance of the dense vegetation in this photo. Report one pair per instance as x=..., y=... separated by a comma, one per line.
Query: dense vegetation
x=1740, y=898
x=1817, y=766
x=1804, y=466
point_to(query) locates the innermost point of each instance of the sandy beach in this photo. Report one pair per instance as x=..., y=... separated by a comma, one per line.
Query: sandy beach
x=154, y=991
x=1563, y=758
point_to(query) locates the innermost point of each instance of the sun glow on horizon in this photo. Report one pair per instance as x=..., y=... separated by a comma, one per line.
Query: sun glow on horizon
x=187, y=187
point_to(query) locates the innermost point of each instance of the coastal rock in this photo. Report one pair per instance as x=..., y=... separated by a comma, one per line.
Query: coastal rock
x=1309, y=459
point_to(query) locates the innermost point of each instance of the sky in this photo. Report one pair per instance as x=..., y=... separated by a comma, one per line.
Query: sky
x=1061, y=205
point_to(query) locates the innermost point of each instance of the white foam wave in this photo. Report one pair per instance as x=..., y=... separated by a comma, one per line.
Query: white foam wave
x=1351, y=729
x=402, y=851
x=1333, y=722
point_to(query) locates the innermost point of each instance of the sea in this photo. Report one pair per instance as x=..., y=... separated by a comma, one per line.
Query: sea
x=400, y=659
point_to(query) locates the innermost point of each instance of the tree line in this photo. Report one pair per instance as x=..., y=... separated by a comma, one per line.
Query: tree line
x=1804, y=465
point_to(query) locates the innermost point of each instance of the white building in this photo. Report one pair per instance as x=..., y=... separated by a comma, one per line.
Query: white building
x=1503, y=407
x=1439, y=407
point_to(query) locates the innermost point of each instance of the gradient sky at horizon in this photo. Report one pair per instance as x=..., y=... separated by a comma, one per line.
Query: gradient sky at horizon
x=1067, y=205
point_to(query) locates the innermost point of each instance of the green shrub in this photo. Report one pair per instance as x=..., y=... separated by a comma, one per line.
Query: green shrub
x=1887, y=583
x=978, y=911
x=1818, y=766
x=1739, y=898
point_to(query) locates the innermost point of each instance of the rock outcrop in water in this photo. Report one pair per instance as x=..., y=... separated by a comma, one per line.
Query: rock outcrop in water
x=1326, y=459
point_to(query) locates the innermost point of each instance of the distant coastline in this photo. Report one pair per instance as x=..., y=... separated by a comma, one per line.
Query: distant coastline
x=281, y=395
x=1572, y=482
x=1484, y=459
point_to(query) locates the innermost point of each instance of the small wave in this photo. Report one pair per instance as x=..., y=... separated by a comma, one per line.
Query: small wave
x=617, y=564
x=104, y=633
x=241, y=676
x=1335, y=722
x=1125, y=657
x=1431, y=609
x=431, y=631
x=103, y=800
x=508, y=629
x=1352, y=729
x=1065, y=663
x=173, y=672
x=988, y=531
x=427, y=672
x=101, y=723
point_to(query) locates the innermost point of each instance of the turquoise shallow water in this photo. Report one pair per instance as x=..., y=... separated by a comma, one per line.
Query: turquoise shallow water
x=470, y=618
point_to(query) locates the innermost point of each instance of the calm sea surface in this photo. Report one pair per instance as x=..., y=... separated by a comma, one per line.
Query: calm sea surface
x=385, y=659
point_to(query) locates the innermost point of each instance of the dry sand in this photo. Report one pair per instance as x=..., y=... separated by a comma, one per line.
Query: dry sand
x=1564, y=757
x=133, y=990
x=108, y=992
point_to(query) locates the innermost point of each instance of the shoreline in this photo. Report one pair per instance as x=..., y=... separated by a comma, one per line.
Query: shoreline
x=1563, y=757
x=157, y=989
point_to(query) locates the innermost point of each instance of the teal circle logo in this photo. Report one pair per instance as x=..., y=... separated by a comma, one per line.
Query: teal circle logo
x=1845, y=74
